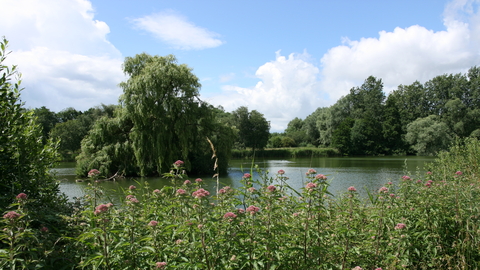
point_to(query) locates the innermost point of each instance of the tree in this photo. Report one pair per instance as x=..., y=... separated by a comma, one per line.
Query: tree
x=47, y=120
x=253, y=128
x=161, y=119
x=428, y=135
x=25, y=162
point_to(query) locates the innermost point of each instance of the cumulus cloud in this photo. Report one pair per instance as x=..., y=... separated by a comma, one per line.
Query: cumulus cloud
x=177, y=31
x=62, y=53
x=405, y=54
x=287, y=89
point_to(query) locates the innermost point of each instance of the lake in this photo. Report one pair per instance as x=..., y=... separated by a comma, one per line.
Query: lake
x=362, y=172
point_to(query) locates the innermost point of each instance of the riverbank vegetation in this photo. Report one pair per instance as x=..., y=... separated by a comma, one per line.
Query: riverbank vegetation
x=429, y=222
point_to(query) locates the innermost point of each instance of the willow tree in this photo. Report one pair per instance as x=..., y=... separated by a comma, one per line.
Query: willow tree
x=161, y=99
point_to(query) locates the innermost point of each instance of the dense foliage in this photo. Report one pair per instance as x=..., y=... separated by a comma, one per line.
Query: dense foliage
x=24, y=160
x=414, y=119
x=160, y=118
x=253, y=128
x=428, y=222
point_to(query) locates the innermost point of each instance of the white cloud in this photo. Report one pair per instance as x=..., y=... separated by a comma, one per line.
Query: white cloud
x=287, y=89
x=177, y=31
x=62, y=53
x=405, y=55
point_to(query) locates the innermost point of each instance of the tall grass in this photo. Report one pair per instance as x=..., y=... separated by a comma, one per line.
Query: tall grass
x=430, y=222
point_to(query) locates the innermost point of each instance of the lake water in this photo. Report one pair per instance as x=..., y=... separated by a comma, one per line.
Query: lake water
x=362, y=172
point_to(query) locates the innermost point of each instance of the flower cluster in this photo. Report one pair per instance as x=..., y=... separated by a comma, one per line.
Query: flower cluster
x=252, y=209
x=153, y=223
x=405, y=178
x=352, y=189
x=93, y=173
x=400, y=226
x=161, y=265
x=132, y=199
x=181, y=191
x=247, y=175
x=21, y=197
x=310, y=186
x=271, y=188
x=177, y=164
x=229, y=215
x=11, y=215
x=200, y=193
x=224, y=190
x=320, y=177
x=383, y=190
x=102, y=208
x=281, y=172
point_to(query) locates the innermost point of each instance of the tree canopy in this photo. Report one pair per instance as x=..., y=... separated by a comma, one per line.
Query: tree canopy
x=163, y=120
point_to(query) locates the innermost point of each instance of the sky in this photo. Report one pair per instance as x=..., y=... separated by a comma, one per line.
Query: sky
x=282, y=58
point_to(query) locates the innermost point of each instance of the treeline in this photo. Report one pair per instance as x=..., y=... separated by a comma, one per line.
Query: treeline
x=160, y=119
x=417, y=119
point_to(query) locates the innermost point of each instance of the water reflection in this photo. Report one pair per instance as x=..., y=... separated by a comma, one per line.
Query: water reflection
x=362, y=172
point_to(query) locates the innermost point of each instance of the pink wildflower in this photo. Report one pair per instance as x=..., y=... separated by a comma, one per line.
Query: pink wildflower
x=357, y=268
x=378, y=268
x=311, y=171
x=392, y=195
x=11, y=215
x=132, y=187
x=222, y=191
x=21, y=196
x=271, y=188
x=352, y=188
x=102, y=208
x=130, y=196
x=383, y=189
x=178, y=163
x=240, y=210
x=200, y=193
x=281, y=172
x=229, y=215
x=93, y=173
x=198, y=180
x=311, y=185
x=252, y=189
x=156, y=191
x=295, y=214
x=400, y=226
x=252, y=209
x=161, y=265
x=134, y=200
x=186, y=182
x=320, y=177
x=458, y=173
x=181, y=191
x=405, y=177
x=153, y=223
x=429, y=173
x=247, y=175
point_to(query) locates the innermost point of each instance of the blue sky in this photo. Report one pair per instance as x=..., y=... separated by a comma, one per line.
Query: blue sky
x=282, y=58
